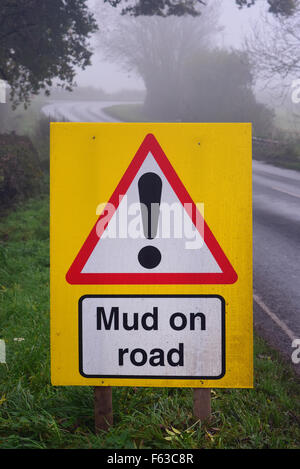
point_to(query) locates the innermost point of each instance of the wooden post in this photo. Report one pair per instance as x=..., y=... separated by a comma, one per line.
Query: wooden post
x=103, y=408
x=202, y=404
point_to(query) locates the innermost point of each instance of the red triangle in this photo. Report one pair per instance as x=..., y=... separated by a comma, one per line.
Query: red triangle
x=75, y=275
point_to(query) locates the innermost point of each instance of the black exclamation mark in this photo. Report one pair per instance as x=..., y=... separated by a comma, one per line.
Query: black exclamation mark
x=150, y=186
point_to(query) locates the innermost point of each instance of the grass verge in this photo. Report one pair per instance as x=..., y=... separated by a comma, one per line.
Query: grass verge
x=34, y=414
x=128, y=112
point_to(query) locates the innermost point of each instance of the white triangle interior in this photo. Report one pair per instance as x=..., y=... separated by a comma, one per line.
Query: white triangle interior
x=120, y=254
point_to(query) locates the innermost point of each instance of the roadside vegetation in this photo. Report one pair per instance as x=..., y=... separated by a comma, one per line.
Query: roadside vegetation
x=284, y=153
x=129, y=113
x=34, y=414
x=281, y=149
x=24, y=154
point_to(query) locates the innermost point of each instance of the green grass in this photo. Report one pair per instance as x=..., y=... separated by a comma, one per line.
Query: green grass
x=34, y=414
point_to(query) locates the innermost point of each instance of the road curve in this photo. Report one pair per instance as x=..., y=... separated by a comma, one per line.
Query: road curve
x=276, y=243
x=79, y=111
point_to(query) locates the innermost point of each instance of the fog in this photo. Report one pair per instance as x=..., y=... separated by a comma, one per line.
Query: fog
x=182, y=69
x=109, y=76
x=129, y=52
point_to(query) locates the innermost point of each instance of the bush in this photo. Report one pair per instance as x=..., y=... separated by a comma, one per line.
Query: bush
x=20, y=172
x=278, y=152
x=219, y=88
x=41, y=140
x=210, y=86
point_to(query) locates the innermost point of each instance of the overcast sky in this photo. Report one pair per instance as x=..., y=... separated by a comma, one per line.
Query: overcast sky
x=111, y=78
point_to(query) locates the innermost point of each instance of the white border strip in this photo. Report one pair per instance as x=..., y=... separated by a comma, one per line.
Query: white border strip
x=274, y=317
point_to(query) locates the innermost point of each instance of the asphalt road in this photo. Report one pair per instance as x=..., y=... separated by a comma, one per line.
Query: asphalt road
x=276, y=224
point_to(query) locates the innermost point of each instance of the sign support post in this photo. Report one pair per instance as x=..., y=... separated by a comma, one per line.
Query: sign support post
x=202, y=404
x=103, y=408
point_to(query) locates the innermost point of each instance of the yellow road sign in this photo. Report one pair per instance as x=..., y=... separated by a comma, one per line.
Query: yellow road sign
x=151, y=255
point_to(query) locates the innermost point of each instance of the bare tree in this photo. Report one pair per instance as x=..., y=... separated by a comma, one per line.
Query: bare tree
x=191, y=7
x=274, y=47
x=157, y=48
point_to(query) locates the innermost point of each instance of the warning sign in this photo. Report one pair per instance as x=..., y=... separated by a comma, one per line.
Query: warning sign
x=151, y=255
x=184, y=250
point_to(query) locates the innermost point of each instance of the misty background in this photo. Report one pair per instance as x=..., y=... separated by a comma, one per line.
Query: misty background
x=225, y=65
x=121, y=55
